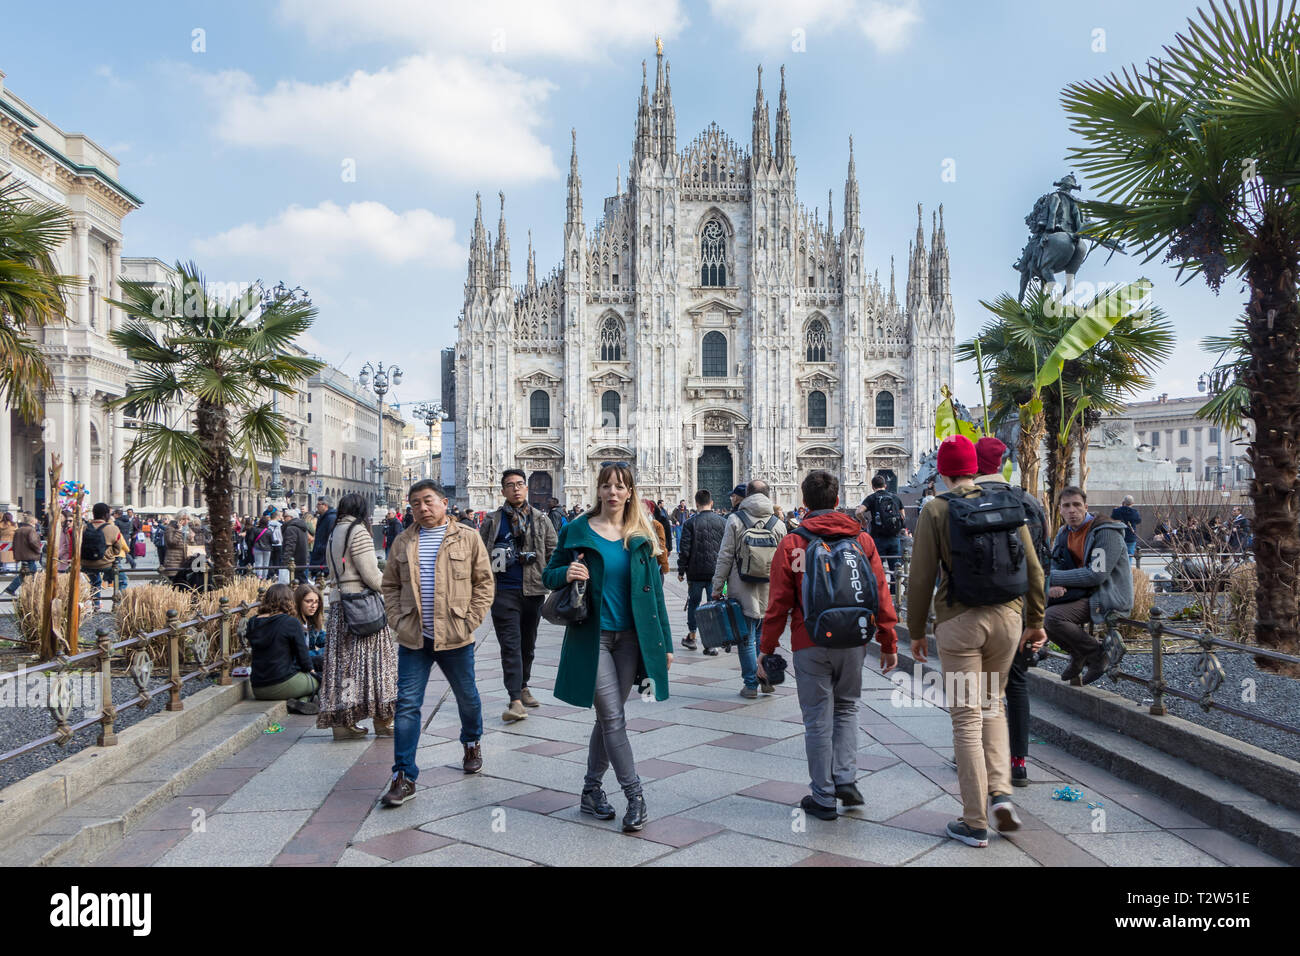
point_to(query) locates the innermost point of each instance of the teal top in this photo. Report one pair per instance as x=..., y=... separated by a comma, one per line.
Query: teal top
x=616, y=593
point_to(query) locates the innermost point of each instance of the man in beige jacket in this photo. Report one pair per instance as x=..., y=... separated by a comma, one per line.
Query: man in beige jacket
x=437, y=588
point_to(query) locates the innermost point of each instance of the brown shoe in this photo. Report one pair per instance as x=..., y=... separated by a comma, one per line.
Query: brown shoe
x=528, y=699
x=473, y=762
x=514, y=712
x=349, y=733
x=384, y=728
x=399, y=791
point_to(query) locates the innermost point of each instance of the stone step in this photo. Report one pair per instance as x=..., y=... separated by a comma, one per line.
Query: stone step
x=108, y=810
x=1221, y=803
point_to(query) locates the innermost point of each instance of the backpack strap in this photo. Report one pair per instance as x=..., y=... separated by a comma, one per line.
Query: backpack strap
x=347, y=540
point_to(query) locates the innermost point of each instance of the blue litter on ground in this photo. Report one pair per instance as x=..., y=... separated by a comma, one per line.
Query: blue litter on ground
x=1096, y=806
x=1067, y=793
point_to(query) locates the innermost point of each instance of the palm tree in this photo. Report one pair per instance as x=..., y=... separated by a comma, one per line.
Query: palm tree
x=31, y=293
x=1024, y=341
x=1197, y=155
x=215, y=360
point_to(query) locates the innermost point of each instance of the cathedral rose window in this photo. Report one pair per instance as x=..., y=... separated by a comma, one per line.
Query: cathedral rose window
x=713, y=254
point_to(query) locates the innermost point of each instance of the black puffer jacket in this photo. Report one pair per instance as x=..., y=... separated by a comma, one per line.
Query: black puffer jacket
x=697, y=557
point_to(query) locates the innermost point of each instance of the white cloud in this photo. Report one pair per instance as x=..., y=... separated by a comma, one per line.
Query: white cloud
x=569, y=29
x=447, y=117
x=321, y=240
x=889, y=25
x=768, y=24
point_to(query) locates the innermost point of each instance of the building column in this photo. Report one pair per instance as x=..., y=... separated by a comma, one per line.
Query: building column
x=112, y=291
x=66, y=444
x=7, y=469
x=82, y=398
x=114, y=460
x=81, y=233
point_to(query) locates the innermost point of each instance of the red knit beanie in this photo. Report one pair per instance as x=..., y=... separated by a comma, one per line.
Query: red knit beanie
x=957, y=456
x=989, y=452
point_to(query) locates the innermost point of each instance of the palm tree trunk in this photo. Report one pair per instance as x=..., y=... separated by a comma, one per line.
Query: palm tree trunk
x=1273, y=326
x=1029, y=449
x=214, y=432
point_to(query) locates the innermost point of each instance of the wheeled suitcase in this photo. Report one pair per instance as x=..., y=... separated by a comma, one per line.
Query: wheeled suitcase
x=721, y=623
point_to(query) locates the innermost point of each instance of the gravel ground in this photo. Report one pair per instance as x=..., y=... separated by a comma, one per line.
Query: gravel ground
x=1276, y=697
x=19, y=724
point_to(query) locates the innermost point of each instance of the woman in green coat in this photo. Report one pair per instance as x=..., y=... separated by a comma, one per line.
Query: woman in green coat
x=613, y=548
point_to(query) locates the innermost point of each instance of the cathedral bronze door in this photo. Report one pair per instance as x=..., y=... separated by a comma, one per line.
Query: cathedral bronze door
x=713, y=471
x=539, y=489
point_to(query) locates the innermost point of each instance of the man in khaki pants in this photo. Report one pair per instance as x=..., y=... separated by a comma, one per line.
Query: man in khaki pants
x=977, y=639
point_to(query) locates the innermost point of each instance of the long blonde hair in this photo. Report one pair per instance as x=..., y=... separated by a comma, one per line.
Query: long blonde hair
x=636, y=522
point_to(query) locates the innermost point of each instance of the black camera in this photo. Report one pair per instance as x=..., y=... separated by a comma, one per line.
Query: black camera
x=527, y=557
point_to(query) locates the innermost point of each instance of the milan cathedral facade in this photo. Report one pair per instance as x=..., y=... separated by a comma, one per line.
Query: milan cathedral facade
x=709, y=330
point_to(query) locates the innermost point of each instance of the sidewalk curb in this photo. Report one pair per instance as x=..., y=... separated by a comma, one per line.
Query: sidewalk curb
x=28, y=806
x=1159, y=754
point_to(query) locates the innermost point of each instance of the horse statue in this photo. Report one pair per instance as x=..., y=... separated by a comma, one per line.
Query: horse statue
x=1055, y=240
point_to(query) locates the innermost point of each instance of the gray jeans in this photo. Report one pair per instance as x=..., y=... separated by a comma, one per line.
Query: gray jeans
x=829, y=681
x=620, y=653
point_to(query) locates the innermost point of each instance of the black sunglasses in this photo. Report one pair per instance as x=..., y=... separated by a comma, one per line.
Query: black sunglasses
x=616, y=464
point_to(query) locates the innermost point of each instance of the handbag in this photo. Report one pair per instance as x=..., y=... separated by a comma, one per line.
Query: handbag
x=363, y=611
x=567, y=605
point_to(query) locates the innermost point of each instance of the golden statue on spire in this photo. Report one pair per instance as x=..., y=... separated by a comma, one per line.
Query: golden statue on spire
x=659, y=46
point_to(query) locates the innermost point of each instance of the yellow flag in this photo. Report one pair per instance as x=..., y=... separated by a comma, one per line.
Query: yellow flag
x=946, y=422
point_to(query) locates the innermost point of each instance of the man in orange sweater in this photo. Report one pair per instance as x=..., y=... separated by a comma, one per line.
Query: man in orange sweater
x=846, y=598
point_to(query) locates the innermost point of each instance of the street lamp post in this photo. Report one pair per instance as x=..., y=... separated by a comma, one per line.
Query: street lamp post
x=1206, y=384
x=380, y=387
x=271, y=297
x=430, y=412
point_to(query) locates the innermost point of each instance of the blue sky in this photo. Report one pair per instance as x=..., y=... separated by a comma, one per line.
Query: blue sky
x=239, y=138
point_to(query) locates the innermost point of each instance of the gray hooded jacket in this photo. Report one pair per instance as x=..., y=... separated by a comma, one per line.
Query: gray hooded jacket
x=1105, y=572
x=751, y=595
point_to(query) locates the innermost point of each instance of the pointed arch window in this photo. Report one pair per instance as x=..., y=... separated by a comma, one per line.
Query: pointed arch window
x=816, y=341
x=816, y=409
x=713, y=254
x=714, y=364
x=885, y=410
x=539, y=409
x=609, y=402
x=611, y=339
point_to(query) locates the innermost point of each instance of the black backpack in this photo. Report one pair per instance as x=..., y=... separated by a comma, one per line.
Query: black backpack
x=1035, y=520
x=886, y=515
x=988, y=557
x=839, y=596
x=93, y=543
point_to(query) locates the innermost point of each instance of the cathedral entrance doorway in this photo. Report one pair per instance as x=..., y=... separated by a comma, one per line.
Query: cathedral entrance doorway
x=714, y=472
x=539, y=489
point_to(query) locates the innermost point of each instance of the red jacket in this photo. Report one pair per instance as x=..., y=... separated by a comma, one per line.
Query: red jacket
x=787, y=585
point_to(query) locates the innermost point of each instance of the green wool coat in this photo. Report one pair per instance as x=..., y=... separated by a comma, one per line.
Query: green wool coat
x=575, y=683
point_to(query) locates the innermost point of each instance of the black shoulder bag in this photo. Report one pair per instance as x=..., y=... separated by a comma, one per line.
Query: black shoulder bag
x=363, y=611
x=567, y=605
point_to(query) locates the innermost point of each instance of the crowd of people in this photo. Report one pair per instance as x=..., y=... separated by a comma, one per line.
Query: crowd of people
x=815, y=577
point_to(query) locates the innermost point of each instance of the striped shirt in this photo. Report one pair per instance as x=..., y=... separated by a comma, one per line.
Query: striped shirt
x=430, y=542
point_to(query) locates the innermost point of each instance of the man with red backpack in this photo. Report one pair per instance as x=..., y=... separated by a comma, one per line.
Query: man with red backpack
x=828, y=582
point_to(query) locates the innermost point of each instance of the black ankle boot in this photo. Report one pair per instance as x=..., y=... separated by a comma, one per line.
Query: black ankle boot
x=594, y=803
x=635, y=819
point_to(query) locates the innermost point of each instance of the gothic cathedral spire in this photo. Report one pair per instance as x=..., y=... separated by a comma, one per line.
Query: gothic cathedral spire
x=783, y=155
x=574, y=208
x=762, y=139
x=918, y=276
x=501, y=275
x=478, y=253
x=851, y=210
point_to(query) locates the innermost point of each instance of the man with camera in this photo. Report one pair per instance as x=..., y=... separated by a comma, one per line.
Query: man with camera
x=519, y=540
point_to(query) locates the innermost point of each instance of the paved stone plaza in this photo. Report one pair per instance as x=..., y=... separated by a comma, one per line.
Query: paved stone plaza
x=723, y=778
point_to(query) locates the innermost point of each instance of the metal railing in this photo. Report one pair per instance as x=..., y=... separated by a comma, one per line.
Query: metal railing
x=182, y=639
x=1210, y=673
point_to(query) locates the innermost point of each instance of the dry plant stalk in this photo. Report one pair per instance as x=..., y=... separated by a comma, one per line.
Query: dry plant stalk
x=31, y=607
x=1201, y=562
x=144, y=608
x=240, y=590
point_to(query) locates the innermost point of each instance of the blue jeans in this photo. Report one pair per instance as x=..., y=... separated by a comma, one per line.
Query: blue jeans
x=697, y=591
x=16, y=583
x=96, y=576
x=747, y=650
x=413, y=669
